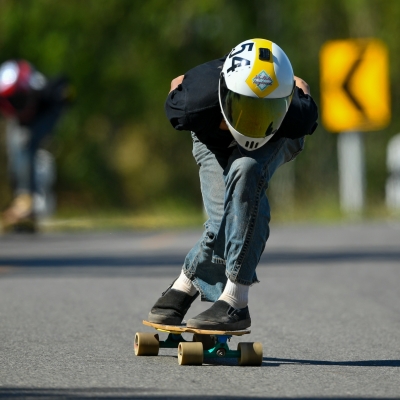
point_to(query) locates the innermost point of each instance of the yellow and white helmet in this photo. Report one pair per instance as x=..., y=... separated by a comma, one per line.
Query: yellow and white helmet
x=255, y=90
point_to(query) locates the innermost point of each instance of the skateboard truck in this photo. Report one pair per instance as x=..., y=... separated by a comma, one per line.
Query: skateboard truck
x=221, y=348
x=172, y=341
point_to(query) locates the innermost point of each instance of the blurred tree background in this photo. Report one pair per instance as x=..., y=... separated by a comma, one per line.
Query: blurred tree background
x=115, y=149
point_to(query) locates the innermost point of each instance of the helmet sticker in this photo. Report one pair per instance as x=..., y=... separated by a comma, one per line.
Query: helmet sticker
x=243, y=46
x=262, y=80
x=238, y=62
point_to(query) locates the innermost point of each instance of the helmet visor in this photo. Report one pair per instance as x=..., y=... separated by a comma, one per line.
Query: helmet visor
x=252, y=117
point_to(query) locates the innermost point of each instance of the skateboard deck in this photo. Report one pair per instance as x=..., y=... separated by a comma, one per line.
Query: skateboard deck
x=27, y=225
x=205, y=344
x=183, y=328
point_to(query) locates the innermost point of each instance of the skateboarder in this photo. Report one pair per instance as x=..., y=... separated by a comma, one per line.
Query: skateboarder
x=31, y=104
x=248, y=114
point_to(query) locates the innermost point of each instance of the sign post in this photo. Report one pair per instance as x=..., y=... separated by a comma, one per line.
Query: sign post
x=351, y=166
x=393, y=180
x=355, y=98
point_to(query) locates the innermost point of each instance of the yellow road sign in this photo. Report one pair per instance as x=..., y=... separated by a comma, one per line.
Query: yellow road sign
x=355, y=85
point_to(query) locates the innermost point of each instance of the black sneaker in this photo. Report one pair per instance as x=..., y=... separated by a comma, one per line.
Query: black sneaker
x=171, y=307
x=221, y=316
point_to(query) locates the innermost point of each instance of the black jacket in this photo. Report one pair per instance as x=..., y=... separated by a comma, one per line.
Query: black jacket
x=194, y=106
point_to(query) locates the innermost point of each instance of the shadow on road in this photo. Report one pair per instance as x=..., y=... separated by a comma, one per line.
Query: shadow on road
x=131, y=393
x=366, y=363
x=269, y=258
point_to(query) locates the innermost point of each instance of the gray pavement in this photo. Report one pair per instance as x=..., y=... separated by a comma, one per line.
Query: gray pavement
x=326, y=310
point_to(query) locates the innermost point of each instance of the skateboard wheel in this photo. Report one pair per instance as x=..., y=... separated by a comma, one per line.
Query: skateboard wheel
x=146, y=344
x=250, y=353
x=207, y=340
x=190, y=353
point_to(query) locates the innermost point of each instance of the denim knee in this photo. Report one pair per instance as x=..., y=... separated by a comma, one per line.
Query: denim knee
x=246, y=170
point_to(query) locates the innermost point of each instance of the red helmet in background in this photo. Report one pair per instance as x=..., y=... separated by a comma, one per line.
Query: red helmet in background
x=19, y=85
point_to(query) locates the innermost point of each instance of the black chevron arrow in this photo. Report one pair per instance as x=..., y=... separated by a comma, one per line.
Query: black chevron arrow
x=349, y=77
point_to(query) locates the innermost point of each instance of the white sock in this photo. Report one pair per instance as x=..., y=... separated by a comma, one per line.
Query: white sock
x=235, y=294
x=184, y=284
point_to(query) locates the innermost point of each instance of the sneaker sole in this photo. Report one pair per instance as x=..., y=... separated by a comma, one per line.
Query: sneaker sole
x=209, y=325
x=164, y=320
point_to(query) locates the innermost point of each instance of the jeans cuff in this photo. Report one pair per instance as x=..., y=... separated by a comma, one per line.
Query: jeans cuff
x=218, y=260
x=235, y=279
x=188, y=271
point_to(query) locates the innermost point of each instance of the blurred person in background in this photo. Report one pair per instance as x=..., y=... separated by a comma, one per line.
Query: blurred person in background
x=32, y=104
x=248, y=115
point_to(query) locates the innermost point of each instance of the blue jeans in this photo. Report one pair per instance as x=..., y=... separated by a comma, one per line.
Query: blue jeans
x=233, y=184
x=23, y=142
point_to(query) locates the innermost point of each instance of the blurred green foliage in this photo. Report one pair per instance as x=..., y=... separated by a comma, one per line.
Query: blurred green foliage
x=115, y=148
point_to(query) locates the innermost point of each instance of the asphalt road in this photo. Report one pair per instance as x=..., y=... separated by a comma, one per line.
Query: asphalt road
x=327, y=311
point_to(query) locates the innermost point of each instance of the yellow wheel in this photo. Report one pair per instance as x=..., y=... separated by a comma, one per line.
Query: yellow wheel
x=190, y=353
x=207, y=340
x=146, y=344
x=250, y=353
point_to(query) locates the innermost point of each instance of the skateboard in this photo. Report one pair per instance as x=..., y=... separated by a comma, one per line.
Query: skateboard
x=26, y=225
x=205, y=344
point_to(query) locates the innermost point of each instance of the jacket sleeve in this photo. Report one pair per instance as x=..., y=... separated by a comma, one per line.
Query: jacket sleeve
x=175, y=109
x=301, y=118
x=194, y=104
